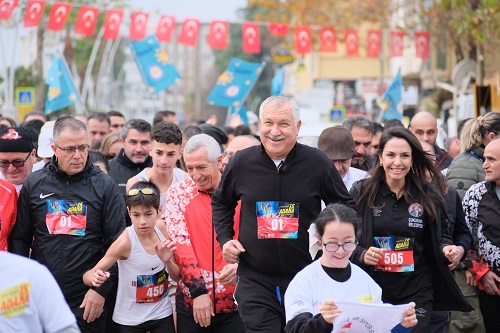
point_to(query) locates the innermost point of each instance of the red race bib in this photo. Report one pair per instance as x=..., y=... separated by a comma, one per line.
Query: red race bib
x=398, y=256
x=151, y=288
x=66, y=217
x=277, y=219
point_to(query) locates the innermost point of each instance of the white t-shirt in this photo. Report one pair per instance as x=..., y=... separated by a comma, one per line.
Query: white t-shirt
x=353, y=175
x=30, y=298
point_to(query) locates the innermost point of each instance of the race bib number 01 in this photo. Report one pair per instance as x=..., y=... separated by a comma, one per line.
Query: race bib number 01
x=277, y=219
x=398, y=256
x=151, y=288
x=66, y=217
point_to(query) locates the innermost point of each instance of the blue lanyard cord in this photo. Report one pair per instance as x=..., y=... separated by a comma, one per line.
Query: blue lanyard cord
x=278, y=293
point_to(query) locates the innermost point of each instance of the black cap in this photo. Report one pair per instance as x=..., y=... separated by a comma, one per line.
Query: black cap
x=15, y=140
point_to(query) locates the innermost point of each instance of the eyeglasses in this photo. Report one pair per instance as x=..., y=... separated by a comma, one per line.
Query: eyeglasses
x=333, y=247
x=71, y=150
x=16, y=163
x=135, y=191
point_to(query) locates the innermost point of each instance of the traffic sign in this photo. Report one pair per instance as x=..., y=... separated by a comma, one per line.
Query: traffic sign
x=25, y=96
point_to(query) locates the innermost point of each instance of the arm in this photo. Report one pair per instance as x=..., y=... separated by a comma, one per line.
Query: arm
x=462, y=236
x=21, y=236
x=165, y=251
x=306, y=323
x=335, y=190
x=224, y=204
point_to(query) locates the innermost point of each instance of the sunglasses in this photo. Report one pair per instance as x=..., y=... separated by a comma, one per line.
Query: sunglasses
x=135, y=191
x=17, y=163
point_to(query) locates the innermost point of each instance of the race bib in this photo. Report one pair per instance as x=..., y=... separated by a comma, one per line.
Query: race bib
x=14, y=300
x=151, y=288
x=66, y=217
x=277, y=219
x=398, y=256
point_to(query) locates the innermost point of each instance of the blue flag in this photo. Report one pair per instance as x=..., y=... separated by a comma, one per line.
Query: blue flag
x=62, y=91
x=392, y=97
x=278, y=82
x=154, y=64
x=234, y=85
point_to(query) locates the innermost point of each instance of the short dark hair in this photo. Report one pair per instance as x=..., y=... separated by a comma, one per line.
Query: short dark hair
x=114, y=113
x=393, y=123
x=144, y=200
x=139, y=125
x=242, y=130
x=191, y=131
x=166, y=132
x=377, y=127
x=96, y=156
x=99, y=116
x=160, y=114
x=336, y=213
x=34, y=113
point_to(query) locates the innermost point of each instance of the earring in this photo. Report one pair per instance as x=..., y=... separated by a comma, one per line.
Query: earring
x=381, y=163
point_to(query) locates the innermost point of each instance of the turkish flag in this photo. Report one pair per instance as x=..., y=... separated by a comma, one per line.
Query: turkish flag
x=138, y=25
x=189, y=32
x=112, y=23
x=34, y=12
x=86, y=21
x=397, y=43
x=6, y=8
x=422, y=44
x=278, y=29
x=58, y=15
x=251, y=37
x=373, y=43
x=328, y=40
x=303, y=39
x=165, y=28
x=351, y=42
x=218, y=35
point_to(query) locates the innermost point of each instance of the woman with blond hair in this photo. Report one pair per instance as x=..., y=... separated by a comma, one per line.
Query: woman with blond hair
x=111, y=145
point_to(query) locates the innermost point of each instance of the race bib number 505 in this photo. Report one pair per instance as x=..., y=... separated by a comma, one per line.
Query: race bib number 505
x=277, y=219
x=66, y=217
x=398, y=256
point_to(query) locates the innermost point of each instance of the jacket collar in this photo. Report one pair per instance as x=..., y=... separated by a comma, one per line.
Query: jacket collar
x=123, y=159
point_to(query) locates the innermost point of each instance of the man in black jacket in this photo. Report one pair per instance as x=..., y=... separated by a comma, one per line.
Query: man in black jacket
x=68, y=214
x=281, y=185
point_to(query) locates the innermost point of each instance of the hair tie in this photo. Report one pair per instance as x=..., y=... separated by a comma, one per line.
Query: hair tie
x=480, y=120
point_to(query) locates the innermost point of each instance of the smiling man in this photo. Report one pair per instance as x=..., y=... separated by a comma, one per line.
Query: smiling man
x=281, y=184
x=68, y=215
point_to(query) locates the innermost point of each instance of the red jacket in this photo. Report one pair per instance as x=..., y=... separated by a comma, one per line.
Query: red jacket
x=8, y=211
x=189, y=222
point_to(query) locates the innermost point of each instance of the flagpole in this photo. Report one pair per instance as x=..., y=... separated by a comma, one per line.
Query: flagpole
x=98, y=85
x=90, y=65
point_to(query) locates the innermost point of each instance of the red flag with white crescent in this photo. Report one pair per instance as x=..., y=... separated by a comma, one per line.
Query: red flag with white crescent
x=422, y=44
x=189, y=32
x=138, y=25
x=218, y=35
x=278, y=29
x=112, y=23
x=165, y=28
x=58, y=15
x=303, y=39
x=373, y=43
x=397, y=45
x=86, y=21
x=351, y=42
x=6, y=8
x=34, y=12
x=328, y=40
x=251, y=37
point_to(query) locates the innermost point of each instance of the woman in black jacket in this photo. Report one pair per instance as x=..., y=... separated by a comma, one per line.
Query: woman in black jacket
x=404, y=244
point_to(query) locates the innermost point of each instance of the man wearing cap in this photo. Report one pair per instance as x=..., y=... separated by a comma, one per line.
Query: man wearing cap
x=337, y=144
x=16, y=155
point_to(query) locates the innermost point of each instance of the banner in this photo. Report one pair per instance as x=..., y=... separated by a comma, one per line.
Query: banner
x=303, y=43
x=351, y=42
x=328, y=40
x=165, y=28
x=278, y=82
x=422, y=44
x=278, y=29
x=6, y=8
x=251, y=37
x=189, y=32
x=34, y=13
x=218, y=35
x=62, y=91
x=86, y=21
x=58, y=16
x=391, y=98
x=397, y=43
x=138, y=25
x=373, y=43
x=234, y=85
x=112, y=23
x=154, y=64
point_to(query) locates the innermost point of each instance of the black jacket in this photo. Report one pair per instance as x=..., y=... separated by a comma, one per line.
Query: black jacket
x=68, y=257
x=447, y=294
x=121, y=169
x=306, y=177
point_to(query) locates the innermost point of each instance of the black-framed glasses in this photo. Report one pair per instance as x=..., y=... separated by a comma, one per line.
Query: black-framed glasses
x=333, y=247
x=71, y=150
x=135, y=191
x=16, y=163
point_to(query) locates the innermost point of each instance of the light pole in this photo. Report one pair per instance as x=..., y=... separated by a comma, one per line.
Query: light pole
x=9, y=109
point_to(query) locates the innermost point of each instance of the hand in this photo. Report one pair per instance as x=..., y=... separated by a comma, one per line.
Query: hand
x=228, y=275
x=98, y=277
x=409, y=317
x=329, y=311
x=202, y=310
x=454, y=254
x=470, y=279
x=165, y=250
x=93, y=304
x=373, y=255
x=489, y=282
x=231, y=251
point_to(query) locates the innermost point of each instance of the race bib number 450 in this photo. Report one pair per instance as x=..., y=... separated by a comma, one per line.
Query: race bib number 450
x=277, y=219
x=66, y=217
x=398, y=254
x=151, y=288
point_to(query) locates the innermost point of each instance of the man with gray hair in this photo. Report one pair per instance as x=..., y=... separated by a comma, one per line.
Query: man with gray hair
x=68, y=214
x=281, y=184
x=204, y=297
x=361, y=128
